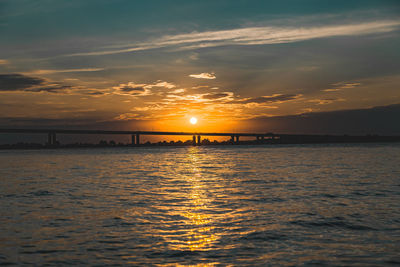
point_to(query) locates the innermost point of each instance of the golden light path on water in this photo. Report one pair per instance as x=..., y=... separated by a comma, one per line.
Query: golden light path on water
x=199, y=232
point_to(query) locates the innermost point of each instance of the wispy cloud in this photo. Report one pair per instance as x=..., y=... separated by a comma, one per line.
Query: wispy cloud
x=253, y=36
x=200, y=98
x=178, y=91
x=218, y=96
x=276, y=98
x=204, y=75
x=128, y=116
x=42, y=72
x=162, y=84
x=143, y=89
x=3, y=62
x=341, y=86
x=325, y=101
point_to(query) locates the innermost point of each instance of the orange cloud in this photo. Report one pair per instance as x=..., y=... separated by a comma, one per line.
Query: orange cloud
x=204, y=75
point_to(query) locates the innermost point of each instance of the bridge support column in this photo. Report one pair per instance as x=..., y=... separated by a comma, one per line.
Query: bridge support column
x=232, y=139
x=198, y=140
x=49, y=137
x=133, y=139
x=54, y=139
x=237, y=139
x=137, y=139
x=194, y=140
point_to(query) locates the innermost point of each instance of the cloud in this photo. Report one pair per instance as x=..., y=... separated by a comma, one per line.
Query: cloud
x=18, y=82
x=143, y=89
x=178, y=91
x=325, y=101
x=254, y=36
x=127, y=116
x=342, y=85
x=42, y=72
x=228, y=99
x=3, y=62
x=218, y=96
x=200, y=86
x=275, y=35
x=201, y=98
x=163, y=84
x=94, y=93
x=203, y=75
x=50, y=88
x=132, y=89
x=276, y=98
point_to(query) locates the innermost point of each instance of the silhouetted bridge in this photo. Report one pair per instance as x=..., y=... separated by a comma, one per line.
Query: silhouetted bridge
x=234, y=137
x=135, y=135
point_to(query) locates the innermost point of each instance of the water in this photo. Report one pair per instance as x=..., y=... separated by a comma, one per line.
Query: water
x=238, y=205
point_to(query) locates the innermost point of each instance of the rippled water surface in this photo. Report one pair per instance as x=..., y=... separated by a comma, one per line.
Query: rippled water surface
x=238, y=205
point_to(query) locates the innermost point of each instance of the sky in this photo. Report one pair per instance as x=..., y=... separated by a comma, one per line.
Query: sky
x=266, y=66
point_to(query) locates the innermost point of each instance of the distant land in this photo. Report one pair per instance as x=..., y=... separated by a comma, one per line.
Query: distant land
x=277, y=139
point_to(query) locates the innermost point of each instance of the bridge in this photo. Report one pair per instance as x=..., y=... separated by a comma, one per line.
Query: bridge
x=135, y=135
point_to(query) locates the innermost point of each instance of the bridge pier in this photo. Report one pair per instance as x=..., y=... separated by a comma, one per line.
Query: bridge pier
x=232, y=139
x=198, y=140
x=194, y=140
x=137, y=139
x=237, y=139
x=51, y=139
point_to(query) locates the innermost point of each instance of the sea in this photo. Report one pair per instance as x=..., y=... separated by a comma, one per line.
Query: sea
x=261, y=205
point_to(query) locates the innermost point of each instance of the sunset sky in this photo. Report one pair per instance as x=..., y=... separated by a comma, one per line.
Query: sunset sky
x=289, y=66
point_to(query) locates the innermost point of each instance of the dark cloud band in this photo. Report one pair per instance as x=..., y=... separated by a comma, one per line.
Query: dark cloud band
x=18, y=82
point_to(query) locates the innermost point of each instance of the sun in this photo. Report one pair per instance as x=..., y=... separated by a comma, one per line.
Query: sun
x=193, y=120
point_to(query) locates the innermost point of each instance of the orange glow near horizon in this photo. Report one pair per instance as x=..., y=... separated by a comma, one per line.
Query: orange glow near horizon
x=202, y=124
x=182, y=124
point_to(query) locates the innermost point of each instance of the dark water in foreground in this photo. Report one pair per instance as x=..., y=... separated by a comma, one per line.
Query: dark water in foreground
x=256, y=206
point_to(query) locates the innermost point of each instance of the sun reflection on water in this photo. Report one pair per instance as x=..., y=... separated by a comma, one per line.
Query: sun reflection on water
x=198, y=231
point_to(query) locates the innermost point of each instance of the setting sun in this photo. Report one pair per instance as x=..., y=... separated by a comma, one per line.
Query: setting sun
x=193, y=120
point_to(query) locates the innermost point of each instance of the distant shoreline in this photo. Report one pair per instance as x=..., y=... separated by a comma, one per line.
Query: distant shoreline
x=284, y=139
